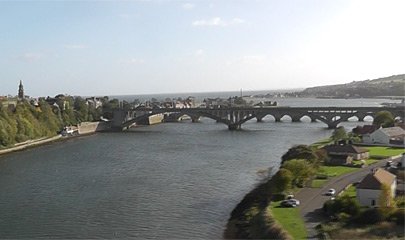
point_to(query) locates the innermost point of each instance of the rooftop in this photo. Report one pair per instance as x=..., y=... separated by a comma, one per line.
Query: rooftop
x=375, y=179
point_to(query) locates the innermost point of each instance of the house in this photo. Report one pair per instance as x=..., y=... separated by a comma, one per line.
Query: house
x=369, y=189
x=392, y=135
x=344, y=154
x=365, y=131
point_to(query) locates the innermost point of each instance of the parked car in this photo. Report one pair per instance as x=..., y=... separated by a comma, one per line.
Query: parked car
x=331, y=192
x=290, y=203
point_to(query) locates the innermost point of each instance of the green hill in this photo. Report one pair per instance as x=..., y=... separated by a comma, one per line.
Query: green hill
x=387, y=86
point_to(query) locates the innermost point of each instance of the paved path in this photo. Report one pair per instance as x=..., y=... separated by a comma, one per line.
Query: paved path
x=312, y=199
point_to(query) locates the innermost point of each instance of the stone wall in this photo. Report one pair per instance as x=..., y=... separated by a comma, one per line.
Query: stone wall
x=91, y=127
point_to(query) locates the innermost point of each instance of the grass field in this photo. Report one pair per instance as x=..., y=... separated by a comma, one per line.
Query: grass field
x=318, y=183
x=321, y=143
x=385, y=151
x=367, y=161
x=333, y=171
x=351, y=192
x=290, y=220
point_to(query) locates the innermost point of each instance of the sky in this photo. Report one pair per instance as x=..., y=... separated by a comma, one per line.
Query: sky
x=95, y=48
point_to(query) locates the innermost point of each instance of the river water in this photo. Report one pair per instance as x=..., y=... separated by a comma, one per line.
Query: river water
x=167, y=181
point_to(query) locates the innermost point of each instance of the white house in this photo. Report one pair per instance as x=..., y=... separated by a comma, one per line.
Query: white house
x=369, y=189
x=392, y=135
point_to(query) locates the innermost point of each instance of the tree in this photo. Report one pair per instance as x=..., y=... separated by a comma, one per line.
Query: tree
x=386, y=202
x=281, y=181
x=299, y=152
x=384, y=119
x=339, y=134
x=301, y=170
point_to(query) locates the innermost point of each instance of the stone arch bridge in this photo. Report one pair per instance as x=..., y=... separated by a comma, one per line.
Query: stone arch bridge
x=234, y=117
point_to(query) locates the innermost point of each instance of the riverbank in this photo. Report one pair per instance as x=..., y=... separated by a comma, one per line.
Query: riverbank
x=252, y=219
x=29, y=144
x=84, y=129
x=246, y=217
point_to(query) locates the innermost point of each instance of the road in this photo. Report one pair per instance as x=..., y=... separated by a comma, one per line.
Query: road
x=312, y=199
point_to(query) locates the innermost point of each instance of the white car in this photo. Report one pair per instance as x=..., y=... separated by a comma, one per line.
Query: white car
x=290, y=203
x=331, y=192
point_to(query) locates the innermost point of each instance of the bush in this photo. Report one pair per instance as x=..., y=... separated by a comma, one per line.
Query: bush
x=343, y=204
x=278, y=197
x=398, y=217
x=322, y=176
x=370, y=216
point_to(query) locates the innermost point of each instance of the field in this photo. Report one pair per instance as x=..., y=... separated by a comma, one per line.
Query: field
x=385, y=151
x=289, y=219
x=334, y=171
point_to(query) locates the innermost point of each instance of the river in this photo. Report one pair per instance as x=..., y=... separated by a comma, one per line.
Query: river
x=167, y=181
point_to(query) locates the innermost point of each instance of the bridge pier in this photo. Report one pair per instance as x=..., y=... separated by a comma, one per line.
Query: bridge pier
x=277, y=118
x=332, y=125
x=195, y=119
x=260, y=117
x=233, y=127
x=295, y=119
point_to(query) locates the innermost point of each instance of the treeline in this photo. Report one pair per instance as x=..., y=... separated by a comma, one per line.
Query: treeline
x=31, y=120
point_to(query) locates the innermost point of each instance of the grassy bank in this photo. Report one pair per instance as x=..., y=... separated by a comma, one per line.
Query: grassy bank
x=252, y=218
x=290, y=219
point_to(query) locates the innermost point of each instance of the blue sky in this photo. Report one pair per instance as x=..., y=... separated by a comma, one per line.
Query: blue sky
x=142, y=47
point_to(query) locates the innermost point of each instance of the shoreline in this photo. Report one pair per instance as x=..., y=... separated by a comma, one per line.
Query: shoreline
x=30, y=144
x=40, y=142
x=84, y=129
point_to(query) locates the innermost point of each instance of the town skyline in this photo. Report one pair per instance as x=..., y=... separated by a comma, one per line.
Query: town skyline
x=152, y=47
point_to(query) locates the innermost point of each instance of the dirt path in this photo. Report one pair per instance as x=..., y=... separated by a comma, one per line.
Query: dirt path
x=312, y=199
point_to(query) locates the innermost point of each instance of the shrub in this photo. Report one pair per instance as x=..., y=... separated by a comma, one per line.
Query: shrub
x=344, y=204
x=398, y=217
x=322, y=176
x=370, y=216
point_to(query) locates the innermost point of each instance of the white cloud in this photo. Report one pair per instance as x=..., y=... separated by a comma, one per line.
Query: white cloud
x=249, y=59
x=237, y=21
x=187, y=6
x=74, y=46
x=199, y=53
x=30, y=57
x=125, y=16
x=135, y=61
x=217, y=21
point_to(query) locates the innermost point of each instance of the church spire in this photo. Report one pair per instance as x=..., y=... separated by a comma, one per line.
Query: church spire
x=21, y=91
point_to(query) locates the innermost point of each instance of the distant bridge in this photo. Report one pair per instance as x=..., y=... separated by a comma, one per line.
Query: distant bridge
x=234, y=117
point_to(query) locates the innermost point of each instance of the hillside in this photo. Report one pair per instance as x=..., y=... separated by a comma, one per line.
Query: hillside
x=387, y=86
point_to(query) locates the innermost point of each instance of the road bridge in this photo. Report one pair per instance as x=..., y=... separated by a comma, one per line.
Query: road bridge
x=234, y=117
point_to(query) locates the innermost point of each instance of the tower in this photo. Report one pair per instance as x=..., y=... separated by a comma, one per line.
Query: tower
x=21, y=91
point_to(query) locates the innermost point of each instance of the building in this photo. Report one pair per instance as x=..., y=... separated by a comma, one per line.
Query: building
x=21, y=91
x=365, y=130
x=344, y=154
x=387, y=136
x=369, y=189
